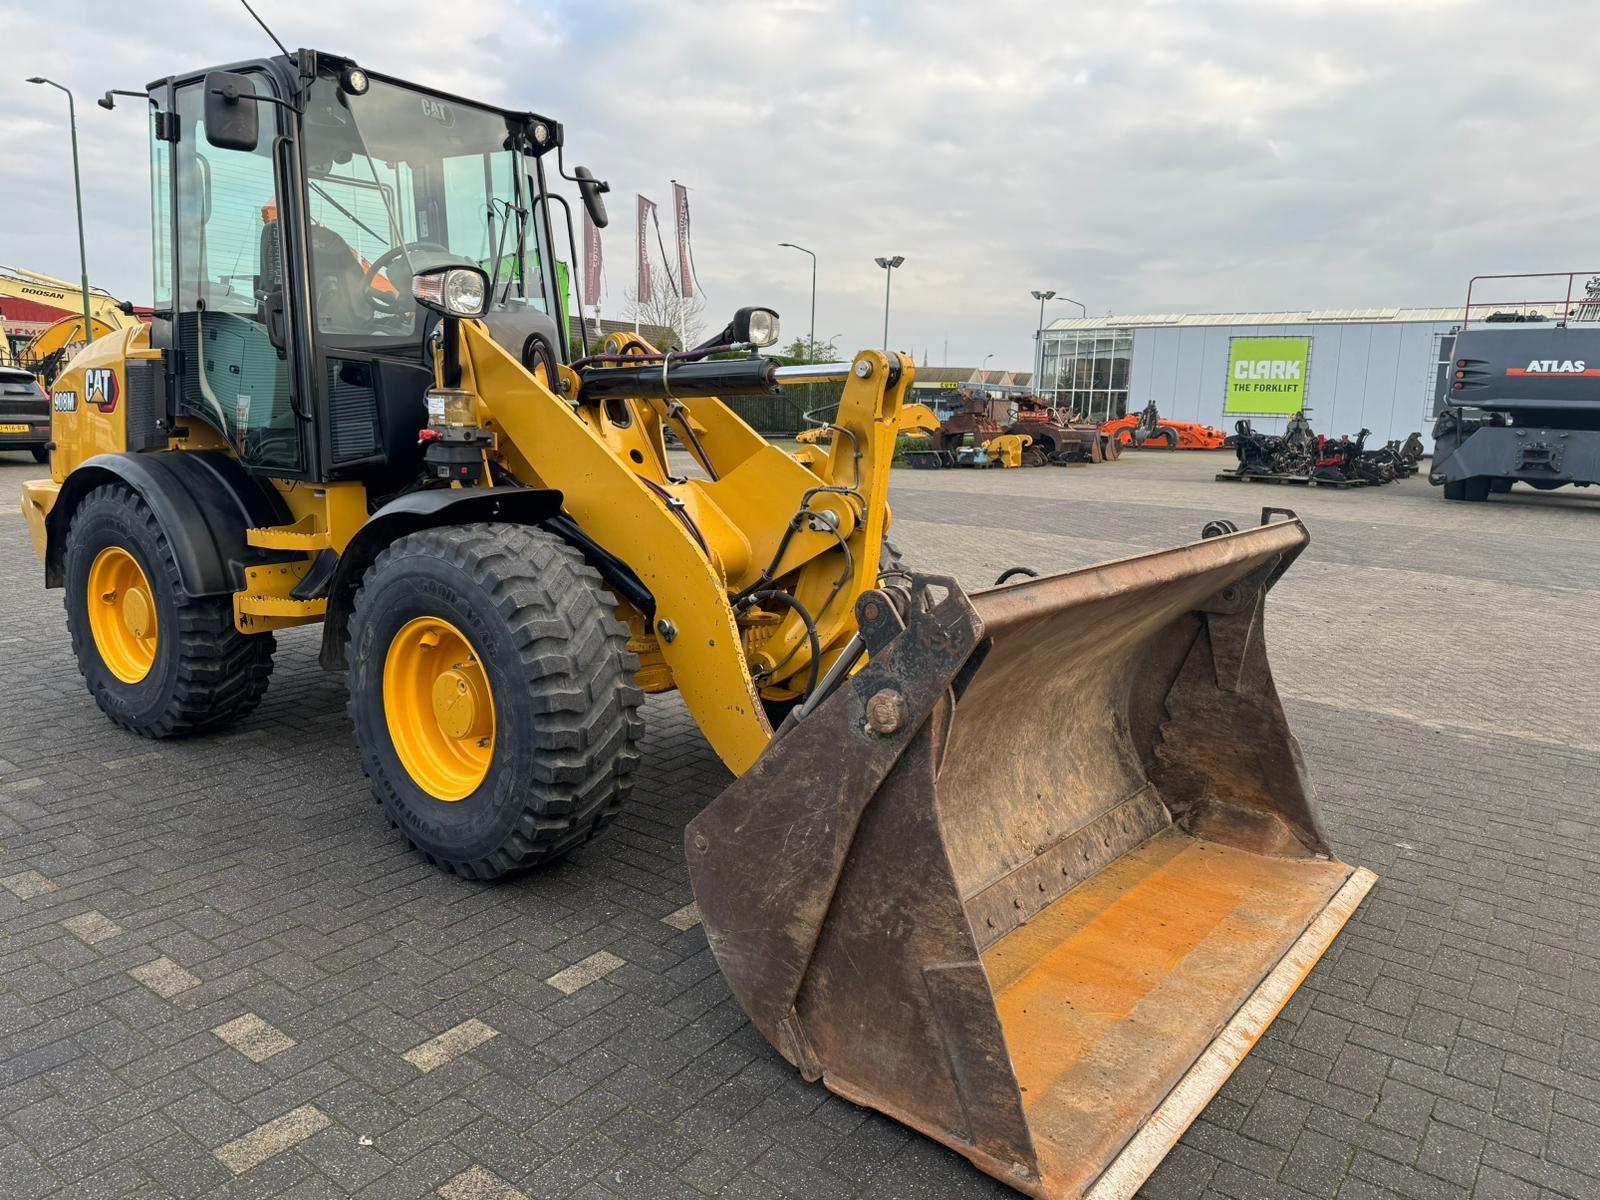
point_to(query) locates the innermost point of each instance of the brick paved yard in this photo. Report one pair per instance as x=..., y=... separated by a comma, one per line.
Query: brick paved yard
x=221, y=974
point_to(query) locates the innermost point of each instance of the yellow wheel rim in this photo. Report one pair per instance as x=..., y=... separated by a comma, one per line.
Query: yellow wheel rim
x=439, y=709
x=122, y=614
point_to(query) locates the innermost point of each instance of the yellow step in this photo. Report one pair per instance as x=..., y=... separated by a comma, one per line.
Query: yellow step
x=302, y=535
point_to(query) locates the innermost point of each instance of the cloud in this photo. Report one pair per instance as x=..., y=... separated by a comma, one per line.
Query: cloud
x=1138, y=156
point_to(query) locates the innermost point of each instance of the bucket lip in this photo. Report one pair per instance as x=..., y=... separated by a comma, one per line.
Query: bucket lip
x=1012, y=603
x=1154, y=1140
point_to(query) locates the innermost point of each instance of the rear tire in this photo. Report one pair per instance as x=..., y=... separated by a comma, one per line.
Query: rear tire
x=194, y=670
x=41, y=454
x=1501, y=486
x=550, y=661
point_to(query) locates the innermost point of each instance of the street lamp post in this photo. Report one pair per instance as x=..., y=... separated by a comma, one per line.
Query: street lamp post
x=77, y=187
x=1038, y=337
x=811, y=344
x=888, y=265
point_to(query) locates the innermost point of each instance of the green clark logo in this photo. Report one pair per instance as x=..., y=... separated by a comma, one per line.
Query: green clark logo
x=1267, y=376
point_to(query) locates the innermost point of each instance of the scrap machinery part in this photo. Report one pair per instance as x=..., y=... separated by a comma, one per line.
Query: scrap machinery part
x=1150, y=429
x=1008, y=450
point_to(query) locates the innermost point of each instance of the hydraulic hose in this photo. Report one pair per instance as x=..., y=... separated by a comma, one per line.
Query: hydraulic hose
x=814, y=668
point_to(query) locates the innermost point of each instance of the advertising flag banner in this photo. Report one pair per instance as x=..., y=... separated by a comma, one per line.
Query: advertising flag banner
x=680, y=203
x=647, y=210
x=1267, y=376
x=592, y=262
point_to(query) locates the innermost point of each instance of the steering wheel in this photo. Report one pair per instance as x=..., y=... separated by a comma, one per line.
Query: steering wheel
x=395, y=301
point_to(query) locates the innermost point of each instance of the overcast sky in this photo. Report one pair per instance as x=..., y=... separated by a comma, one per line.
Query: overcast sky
x=1139, y=156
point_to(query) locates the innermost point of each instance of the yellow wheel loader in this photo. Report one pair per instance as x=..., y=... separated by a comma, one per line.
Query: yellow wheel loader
x=1028, y=869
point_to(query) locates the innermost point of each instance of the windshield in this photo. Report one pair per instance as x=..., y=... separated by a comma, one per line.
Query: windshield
x=398, y=180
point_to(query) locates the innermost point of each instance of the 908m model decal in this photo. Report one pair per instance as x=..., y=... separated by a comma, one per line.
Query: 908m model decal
x=65, y=401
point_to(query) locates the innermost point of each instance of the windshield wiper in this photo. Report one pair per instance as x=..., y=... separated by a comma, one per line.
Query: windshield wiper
x=500, y=243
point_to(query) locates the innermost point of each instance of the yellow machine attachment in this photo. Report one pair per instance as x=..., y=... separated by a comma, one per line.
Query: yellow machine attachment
x=1006, y=450
x=1037, y=876
x=917, y=420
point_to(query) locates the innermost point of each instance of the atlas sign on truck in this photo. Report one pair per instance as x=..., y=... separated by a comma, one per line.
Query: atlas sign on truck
x=1267, y=376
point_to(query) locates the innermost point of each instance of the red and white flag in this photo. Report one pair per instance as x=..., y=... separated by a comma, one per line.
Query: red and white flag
x=593, y=264
x=680, y=202
x=647, y=210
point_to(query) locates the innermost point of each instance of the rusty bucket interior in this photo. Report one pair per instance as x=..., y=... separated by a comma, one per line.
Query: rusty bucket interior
x=1035, y=878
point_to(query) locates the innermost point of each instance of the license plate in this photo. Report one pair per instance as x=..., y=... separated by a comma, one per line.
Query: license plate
x=14, y=428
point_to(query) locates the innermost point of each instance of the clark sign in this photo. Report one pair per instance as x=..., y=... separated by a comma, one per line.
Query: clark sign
x=1267, y=376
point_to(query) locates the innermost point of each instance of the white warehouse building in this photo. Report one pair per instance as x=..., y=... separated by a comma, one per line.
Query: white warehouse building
x=1372, y=368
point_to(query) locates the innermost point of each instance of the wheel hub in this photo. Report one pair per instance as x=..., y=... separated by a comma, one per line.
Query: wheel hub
x=122, y=614
x=459, y=703
x=439, y=708
x=137, y=612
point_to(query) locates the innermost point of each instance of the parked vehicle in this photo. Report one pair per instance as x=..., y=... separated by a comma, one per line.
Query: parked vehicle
x=24, y=413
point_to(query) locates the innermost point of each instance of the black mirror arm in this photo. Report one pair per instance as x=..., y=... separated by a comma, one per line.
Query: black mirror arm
x=238, y=96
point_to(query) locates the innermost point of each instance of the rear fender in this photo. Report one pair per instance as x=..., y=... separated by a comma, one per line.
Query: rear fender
x=458, y=506
x=204, y=500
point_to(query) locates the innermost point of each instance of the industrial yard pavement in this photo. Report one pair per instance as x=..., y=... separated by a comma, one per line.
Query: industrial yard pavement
x=222, y=974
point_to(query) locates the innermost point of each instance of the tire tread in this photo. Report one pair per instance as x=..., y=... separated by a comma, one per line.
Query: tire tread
x=571, y=647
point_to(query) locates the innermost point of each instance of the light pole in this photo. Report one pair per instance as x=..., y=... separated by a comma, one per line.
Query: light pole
x=986, y=359
x=888, y=265
x=77, y=187
x=811, y=344
x=1082, y=312
x=1038, y=337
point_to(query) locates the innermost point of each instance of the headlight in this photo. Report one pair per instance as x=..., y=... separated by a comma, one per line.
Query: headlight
x=454, y=291
x=757, y=326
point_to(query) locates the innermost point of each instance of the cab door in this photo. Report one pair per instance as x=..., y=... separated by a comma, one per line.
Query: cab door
x=232, y=362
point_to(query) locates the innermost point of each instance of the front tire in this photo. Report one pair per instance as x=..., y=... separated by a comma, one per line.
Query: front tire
x=492, y=694
x=157, y=661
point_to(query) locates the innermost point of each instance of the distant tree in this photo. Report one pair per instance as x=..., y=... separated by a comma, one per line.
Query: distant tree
x=804, y=350
x=684, y=316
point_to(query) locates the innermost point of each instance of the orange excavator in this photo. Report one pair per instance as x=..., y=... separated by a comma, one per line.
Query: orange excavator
x=1151, y=429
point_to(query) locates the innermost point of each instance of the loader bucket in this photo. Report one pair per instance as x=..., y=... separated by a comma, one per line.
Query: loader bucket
x=1037, y=876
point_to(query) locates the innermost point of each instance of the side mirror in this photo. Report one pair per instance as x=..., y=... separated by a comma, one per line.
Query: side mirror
x=592, y=189
x=232, y=122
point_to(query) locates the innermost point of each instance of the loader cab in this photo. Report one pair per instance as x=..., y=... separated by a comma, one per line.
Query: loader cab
x=294, y=199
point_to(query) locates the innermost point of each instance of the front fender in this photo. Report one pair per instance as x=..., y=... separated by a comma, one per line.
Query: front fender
x=204, y=500
x=452, y=506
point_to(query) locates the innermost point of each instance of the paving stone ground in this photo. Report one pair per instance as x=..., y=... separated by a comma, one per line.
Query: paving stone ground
x=222, y=975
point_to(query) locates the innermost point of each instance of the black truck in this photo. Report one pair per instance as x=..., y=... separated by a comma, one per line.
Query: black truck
x=1521, y=401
